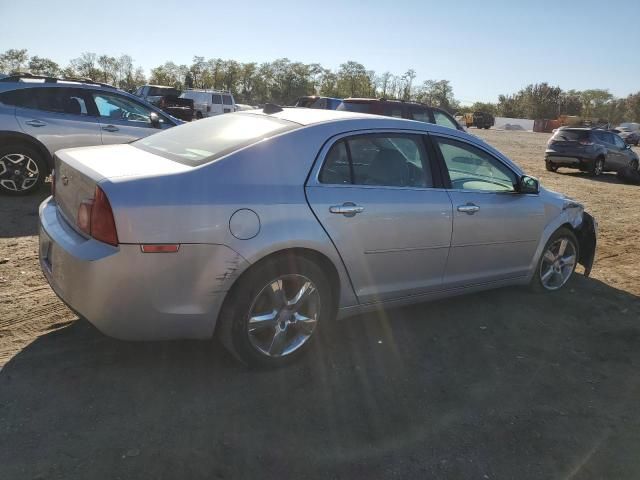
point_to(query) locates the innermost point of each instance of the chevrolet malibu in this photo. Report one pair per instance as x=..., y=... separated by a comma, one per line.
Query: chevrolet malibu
x=259, y=227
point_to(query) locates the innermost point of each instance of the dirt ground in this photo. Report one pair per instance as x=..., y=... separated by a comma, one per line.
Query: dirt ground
x=504, y=384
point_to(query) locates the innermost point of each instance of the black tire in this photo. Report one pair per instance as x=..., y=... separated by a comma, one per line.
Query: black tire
x=233, y=321
x=487, y=127
x=598, y=167
x=22, y=169
x=536, y=284
x=198, y=115
x=634, y=164
x=550, y=167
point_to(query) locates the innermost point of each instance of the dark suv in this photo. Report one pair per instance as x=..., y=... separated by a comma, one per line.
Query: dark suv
x=397, y=108
x=588, y=149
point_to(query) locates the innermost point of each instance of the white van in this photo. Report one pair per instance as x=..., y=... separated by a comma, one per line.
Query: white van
x=207, y=103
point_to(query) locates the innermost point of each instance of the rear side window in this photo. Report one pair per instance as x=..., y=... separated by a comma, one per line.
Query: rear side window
x=226, y=99
x=378, y=160
x=393, y=111
x=57, y=100
x=200, y=142
x=216, y=99
x=572, y=135
x=420, y=115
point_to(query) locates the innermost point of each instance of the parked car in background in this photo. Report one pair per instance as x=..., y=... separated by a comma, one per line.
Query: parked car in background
x=278, y=221
x=40, y=115
x=168, y=100
x=399, y=109
x=241, y=107
x=208, y=103
x=483, y=120
x=314, y=101
x=631, y=137
x=588, y=149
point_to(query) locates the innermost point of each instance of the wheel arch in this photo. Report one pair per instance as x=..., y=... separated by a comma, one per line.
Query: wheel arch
x=287, y=254
x=7, y=137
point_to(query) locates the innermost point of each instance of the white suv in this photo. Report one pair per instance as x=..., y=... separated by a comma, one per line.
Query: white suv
x=208, y=103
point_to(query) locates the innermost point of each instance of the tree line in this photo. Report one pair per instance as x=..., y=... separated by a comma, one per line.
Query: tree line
x=282, y=81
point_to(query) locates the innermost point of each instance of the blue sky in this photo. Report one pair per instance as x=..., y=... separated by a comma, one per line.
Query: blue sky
x=483, y=47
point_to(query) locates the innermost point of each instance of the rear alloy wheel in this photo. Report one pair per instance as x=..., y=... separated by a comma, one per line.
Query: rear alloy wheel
x=558, y=262
x=22, y=170
x=598, y=167
x=551, y=167
x=273, y=313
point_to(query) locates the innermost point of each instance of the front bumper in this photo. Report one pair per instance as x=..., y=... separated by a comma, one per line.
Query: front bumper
x=132, y=295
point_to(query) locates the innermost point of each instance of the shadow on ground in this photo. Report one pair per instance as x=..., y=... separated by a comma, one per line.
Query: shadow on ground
x=503, y=384
x=607, y=177
x=19, y=214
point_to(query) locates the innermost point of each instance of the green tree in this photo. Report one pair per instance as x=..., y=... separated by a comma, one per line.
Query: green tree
x=43, y=66
x=13, y=60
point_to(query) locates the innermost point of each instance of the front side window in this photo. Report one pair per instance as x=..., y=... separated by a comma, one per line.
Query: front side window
x=473, y=169
x=116, y=107
x=420, y=115
x=216, y=99
x=443, y=119
x=619, y=142
x=380, y=160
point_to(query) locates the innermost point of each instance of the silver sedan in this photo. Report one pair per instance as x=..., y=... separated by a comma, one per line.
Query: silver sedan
x=262, y=226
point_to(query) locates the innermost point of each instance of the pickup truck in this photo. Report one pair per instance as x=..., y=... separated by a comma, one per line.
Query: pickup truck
x=168, y=100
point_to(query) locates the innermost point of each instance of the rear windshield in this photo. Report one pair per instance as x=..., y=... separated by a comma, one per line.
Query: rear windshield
x=163, y=91
x=200, y=142
x=571, y=135
x=355, y=107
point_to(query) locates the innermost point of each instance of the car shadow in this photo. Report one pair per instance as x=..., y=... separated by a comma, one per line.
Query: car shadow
x=480, y=385
x=607, y=177
x=19, y=214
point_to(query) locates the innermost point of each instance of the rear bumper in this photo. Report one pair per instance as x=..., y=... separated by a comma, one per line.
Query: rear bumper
x=132, y=295
x=581, y=161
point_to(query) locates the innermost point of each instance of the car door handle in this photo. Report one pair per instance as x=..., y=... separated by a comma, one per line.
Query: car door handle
x=347, y=209
x=111, y=128
x=469, y=208
x=35, y=123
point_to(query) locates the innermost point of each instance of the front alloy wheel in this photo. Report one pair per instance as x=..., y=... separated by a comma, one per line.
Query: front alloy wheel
x=558, y=263
x=598, y=167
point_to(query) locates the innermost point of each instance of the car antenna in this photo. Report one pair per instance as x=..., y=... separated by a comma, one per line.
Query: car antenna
x=270, y=108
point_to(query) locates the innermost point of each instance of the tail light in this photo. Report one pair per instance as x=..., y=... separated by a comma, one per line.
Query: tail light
x=95, y=218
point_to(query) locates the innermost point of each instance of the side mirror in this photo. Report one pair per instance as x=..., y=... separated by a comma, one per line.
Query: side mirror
x=154, y=119
x=528, y=184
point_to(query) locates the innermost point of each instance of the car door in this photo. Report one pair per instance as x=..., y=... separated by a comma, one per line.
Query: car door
x=496, y=230
x=216, y=104
x=58, y=117
x=621, y=159
x=123, y=119
x=380, y=201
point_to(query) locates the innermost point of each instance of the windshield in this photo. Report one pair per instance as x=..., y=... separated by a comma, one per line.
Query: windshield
x=200, y=142
x=163, y=91
x=571, y=135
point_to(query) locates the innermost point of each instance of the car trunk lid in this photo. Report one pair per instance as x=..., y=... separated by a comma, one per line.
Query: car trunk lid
x=78, y=172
